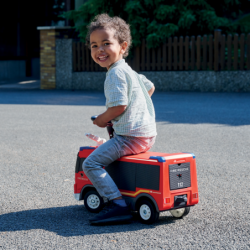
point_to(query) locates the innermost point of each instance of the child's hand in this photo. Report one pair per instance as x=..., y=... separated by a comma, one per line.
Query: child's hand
x=99, y=122
x=108, y=115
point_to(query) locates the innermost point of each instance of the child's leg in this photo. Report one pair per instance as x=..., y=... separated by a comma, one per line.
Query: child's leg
x=107, y=153
x=103, y=156
x=93, y=168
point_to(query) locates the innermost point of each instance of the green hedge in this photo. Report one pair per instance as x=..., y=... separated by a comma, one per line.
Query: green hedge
x=156, y=20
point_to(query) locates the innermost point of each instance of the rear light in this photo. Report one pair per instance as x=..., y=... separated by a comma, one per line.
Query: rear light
x=195, y=195
x=167, y=200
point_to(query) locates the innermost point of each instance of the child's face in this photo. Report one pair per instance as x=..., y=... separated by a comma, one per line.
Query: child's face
x=105, y=48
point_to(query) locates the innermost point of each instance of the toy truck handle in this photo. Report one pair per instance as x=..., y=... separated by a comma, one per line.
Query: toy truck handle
x=93, y=117
x=109, y=127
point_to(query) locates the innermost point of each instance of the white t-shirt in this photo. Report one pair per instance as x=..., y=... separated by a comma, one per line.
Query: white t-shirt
x=123, y=86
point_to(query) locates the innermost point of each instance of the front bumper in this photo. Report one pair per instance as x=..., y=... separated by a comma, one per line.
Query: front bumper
x=77, y=196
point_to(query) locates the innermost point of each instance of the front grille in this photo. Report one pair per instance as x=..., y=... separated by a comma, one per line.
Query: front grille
x=179, y=176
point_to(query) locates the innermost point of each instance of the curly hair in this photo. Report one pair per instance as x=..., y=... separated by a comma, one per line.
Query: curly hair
x=121, y=28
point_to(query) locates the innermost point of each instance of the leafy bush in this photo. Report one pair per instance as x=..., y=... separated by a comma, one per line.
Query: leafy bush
x=156, y=20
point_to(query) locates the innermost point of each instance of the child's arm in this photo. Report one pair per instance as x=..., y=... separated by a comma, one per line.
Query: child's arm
x=108, y=115
x=151, y=91
x=148, y=84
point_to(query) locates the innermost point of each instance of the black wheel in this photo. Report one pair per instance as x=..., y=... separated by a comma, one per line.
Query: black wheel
x=180, y=212
x=147, y=212
x=93, y=201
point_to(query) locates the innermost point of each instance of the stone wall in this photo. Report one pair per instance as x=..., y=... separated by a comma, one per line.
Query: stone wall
x=203, y=81
x=48, y=37
x=58, y=57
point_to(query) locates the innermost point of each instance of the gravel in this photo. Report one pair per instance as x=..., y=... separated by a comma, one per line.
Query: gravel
x=41, y=132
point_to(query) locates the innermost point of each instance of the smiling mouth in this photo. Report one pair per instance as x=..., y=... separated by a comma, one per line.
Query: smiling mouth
x=102, y=58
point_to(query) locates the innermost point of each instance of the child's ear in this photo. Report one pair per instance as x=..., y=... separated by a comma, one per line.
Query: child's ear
x=124, y=46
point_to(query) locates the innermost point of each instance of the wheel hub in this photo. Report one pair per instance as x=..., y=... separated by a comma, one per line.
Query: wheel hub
x=145, y=212
x=177, y=212
x=93, y=201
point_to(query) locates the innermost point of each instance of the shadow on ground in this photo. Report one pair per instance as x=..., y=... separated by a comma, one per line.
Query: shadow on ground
x=67, y=221
x=171, y=107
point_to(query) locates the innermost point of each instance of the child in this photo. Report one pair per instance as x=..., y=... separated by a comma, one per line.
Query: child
x=129, y=106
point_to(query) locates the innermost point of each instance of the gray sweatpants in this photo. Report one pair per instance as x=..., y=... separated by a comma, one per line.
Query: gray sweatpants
x=107, y=153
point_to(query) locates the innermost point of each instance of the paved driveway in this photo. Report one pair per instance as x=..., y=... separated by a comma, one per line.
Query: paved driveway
x=41, y=131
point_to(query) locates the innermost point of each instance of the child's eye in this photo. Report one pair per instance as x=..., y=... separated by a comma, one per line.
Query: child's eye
x=93, y=46
x=106, y=44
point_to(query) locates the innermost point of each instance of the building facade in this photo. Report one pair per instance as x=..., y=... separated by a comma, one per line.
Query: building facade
x=19, y=37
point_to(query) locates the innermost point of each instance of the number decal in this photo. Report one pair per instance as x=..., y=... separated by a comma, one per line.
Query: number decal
x=180, y=184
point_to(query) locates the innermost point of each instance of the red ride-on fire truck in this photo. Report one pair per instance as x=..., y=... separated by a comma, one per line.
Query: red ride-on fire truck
x=150, y=182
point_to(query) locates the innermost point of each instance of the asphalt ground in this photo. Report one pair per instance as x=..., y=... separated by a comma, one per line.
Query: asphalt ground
x=41, y=132
x=24, y=83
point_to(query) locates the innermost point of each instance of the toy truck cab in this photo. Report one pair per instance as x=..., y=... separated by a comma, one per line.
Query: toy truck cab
x=150, y=182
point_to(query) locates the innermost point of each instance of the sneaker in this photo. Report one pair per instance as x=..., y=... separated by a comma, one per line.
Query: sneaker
x=116, y=214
